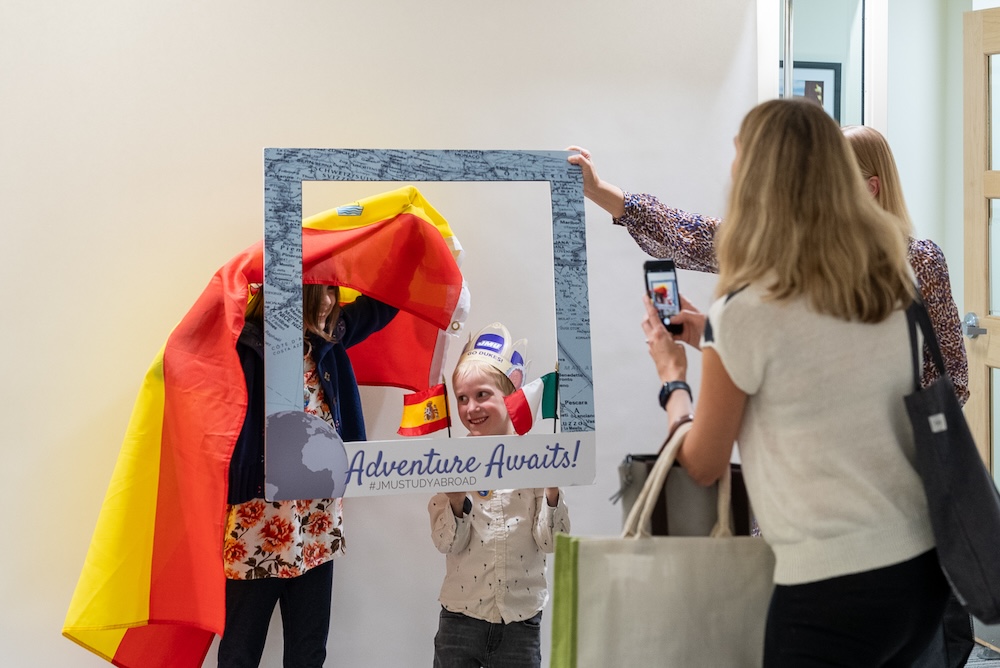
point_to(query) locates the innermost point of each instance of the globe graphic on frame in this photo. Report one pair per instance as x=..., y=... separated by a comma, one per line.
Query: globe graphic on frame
x=304, y=457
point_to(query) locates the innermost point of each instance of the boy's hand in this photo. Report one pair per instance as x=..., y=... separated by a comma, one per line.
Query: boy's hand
x=457, y=501
x=552, y=496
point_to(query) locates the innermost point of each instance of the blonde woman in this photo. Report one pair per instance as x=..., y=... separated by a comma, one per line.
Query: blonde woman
x=878, y=168
x=954, y=641
x=805, y=364
x=689, y=238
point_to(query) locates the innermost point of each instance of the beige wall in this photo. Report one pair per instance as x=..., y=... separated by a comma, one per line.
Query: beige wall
x=130, y=170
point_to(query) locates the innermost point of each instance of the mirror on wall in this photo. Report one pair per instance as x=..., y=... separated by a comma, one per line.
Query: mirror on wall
x=827, y=45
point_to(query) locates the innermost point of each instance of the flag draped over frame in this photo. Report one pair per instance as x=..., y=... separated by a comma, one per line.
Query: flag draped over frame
x=425, y=412
x=152, y=590
x=524, y=404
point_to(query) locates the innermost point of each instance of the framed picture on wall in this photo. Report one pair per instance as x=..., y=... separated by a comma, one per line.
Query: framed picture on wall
x=816, y=81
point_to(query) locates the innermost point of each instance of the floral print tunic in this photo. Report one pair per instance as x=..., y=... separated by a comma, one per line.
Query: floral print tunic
x=284, y=539
x=689, y=239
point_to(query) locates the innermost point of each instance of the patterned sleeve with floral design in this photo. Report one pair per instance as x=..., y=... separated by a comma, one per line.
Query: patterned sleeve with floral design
x=665, y=232
x=931, y=270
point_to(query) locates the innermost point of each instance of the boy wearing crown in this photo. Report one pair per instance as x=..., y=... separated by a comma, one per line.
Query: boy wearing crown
x=494, y=541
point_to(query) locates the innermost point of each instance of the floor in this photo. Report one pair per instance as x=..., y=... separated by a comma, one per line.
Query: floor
x=983, y=657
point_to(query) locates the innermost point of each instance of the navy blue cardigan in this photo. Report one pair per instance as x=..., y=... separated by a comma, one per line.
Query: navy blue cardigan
x=358, y=320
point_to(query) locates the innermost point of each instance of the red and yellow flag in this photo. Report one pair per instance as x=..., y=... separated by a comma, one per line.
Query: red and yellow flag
x=425, y=412
x=152, y=589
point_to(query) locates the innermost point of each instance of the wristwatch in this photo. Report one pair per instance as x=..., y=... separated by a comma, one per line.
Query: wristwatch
x=668, y=389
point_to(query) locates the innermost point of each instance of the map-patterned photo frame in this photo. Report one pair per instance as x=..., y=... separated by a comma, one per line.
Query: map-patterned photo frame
x=531, y=460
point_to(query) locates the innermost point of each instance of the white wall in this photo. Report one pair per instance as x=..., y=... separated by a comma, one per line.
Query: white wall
x=917, y=112
x=131, y=137
x=925, y=119
x=923, y=106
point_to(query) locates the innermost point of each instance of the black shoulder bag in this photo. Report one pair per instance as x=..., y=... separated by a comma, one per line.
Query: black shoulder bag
x=961, y=495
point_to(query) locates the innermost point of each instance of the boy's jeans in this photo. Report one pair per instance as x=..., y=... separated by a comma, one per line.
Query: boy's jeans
x=465, y=642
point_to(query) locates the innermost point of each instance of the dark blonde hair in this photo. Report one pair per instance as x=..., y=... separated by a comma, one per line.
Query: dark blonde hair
x=801, y=221
x=312, y=299
x=874, y=157
x=470, y=367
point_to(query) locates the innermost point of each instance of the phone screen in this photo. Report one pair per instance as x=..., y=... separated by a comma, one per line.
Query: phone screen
x=661, y=286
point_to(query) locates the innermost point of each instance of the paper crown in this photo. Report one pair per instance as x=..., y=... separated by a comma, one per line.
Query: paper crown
x=494, y=346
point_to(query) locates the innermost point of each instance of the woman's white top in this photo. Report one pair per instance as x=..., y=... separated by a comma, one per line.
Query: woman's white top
x=826, y=445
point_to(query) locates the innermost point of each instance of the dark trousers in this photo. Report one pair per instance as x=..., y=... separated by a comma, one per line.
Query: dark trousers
x=305, y=618
x=466, y=642
x=952, y=642
x=879, y=618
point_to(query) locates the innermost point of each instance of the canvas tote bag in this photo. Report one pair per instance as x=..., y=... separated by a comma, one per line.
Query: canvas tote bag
x=641, y=600
x=962, y=499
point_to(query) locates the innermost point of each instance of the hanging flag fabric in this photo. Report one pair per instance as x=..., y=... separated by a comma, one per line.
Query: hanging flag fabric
x=524, y=404
x=425, y=412
x=152, y=590
x=389, y=230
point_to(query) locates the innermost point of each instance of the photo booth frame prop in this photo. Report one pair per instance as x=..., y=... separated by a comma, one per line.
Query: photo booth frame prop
x=430, y=465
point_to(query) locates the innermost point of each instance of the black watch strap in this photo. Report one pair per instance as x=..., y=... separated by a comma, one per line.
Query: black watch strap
x=668, y=389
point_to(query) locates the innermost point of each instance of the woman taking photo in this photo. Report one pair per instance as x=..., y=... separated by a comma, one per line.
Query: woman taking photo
x=805, y=363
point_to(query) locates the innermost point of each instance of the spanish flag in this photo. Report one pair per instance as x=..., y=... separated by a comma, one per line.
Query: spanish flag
x=152, y=590
x=425, y=412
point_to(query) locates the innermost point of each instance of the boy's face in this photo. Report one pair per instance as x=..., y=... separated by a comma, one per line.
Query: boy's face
x=481, y=407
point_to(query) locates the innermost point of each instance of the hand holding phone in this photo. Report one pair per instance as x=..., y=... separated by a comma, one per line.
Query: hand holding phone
x=661, y=286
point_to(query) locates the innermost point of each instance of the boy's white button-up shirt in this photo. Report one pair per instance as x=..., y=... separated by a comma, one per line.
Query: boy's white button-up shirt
x=496, y=552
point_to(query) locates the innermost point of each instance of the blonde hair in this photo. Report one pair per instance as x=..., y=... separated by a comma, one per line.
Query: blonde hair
x=476, y=367
x=800, y=220
x=874, y=157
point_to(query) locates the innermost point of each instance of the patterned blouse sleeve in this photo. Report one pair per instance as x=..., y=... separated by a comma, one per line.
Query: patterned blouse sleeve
x=549, y=521
x=665, y=232
x=449, y=533
x=931, y=270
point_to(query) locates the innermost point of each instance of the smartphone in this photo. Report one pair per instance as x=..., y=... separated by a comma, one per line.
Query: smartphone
x=661, y=286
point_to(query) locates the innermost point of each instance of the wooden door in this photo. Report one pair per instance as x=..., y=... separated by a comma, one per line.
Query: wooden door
x=982, y=238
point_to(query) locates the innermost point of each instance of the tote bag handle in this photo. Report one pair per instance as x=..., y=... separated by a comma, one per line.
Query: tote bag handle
x=638, y=520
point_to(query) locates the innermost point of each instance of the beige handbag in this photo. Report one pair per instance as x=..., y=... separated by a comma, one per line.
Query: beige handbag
x=683, y=507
